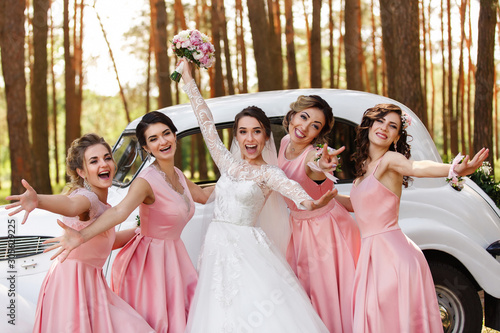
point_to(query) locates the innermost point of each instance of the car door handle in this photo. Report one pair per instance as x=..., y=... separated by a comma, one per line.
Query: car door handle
x=27, y=265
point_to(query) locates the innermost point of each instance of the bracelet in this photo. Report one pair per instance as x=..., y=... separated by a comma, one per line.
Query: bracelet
x=455, y=181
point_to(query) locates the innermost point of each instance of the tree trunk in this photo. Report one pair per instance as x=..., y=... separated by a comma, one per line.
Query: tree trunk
x=39, y=99
x=424, y=56
x=432, y=120
x=54, y=97
x=73, y=128
x=227, y=53
x=260, y=27
x=452, y=112
x=470, y=78
x=460, y=81
x=400, y=35
x=179, y=14
x=78, y=56
x=495, y=116
x=341, y=44
x=218, y=88
x=331, y=52
x=241, y=48
x=159, y=22
x=275, y=51
x=12, y=50
x=293, y=79
x=374, y=49
x=445, y=107
x=316, y=81
x=308, y=35
x=148, y=71
x=484, y=76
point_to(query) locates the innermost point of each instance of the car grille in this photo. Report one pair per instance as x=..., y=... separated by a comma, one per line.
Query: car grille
x=21, y=246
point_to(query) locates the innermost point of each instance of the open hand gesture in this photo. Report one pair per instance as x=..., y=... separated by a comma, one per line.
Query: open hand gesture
x=467, y=167
x=66, y=243
x=26, y=201
x=321, y=202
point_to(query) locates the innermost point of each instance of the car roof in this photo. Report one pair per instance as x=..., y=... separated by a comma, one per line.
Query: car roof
x=346, y=104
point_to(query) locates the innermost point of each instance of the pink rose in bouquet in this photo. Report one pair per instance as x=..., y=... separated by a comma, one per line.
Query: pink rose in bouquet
x=194, y=46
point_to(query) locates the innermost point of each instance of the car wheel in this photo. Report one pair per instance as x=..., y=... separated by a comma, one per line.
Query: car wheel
x=459, y=303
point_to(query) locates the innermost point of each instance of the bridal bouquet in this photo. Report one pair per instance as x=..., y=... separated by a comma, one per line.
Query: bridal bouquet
x=194, y=46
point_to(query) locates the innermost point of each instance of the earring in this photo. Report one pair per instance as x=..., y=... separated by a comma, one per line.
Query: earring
x=395, y=146
x=86, y=185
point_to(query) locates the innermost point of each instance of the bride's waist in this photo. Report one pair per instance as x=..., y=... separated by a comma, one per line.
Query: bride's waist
x=235, y=222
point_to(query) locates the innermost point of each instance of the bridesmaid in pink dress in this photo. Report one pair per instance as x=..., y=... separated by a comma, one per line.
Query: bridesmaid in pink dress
x=324, y=244
x=74, y=296
x=153, y=272
x=393, y=287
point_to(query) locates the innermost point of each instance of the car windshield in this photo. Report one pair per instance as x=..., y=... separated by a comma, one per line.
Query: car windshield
x=128, y=156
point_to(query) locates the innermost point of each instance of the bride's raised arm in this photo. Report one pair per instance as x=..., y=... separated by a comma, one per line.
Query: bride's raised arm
x=221, y=156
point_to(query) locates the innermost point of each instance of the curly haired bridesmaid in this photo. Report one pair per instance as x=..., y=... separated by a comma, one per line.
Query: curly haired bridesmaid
x=393, y=287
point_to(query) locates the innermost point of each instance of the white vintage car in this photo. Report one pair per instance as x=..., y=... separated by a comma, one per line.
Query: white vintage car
x=458, y=232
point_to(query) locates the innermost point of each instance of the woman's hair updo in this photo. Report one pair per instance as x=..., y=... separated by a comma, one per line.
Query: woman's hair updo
x=76, y=157
x=312, y=101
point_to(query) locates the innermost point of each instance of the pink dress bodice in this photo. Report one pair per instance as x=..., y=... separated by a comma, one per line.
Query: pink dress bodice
x=295, y=169
x=171, y=208
x=96, y=250
x=375, y=206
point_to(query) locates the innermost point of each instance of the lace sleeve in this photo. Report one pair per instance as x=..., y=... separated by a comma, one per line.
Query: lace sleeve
x=221, y=156
x=279, y=182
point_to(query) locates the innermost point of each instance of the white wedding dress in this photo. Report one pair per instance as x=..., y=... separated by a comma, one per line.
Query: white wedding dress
x=245, y=283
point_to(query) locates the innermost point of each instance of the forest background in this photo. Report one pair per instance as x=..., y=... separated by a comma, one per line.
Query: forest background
x=72, y=67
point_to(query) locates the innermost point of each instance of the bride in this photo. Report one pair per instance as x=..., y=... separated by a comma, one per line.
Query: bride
x=245, y=284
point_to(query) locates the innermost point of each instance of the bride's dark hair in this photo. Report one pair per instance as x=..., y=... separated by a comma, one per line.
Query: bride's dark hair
x=254, y=112
x=360, y=156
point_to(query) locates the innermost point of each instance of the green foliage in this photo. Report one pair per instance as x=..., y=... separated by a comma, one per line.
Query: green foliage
x=482, y=177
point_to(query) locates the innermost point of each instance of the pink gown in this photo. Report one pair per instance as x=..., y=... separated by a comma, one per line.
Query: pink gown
x=393, y=287
x=153, y=272
x=324, y=247
x=74, y=297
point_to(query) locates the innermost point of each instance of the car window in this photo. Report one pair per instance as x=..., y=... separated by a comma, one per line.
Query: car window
x=193, y=158
x=129, y=157
x=344, y=134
